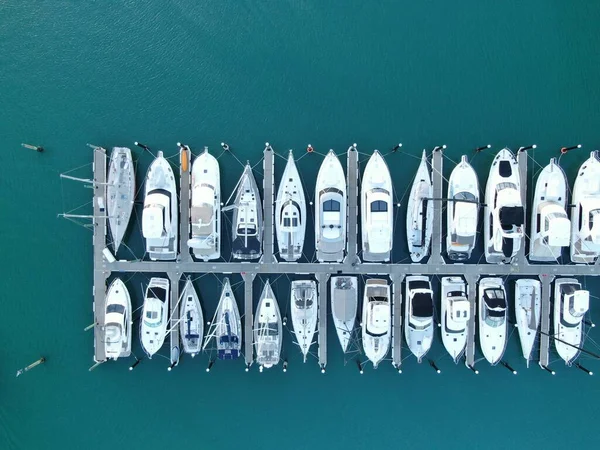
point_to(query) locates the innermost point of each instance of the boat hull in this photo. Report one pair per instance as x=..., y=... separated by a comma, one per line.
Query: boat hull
x=247, y=215
x=155, y=315
x=304, y=312
x=454, y=334
x=117, y=321
x=491, y=339
x=268, y=332
x=376, y=320
x=420, y=337
x=290, y=213
x=528, y=294
x=120, y=193
x=191, y=320
x=420, y=213
x=344, y=305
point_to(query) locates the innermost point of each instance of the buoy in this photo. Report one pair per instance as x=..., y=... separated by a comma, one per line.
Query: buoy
x=529, y=147
x=475, y=371
x=547, y=369
x=360, y=369
x=567, y=149
x=396, y=147
x=478, y=149
x=310, y=149
x=433, y=364
x=42, y=360
x=285, y=363
x=505, y=364
x=225, y=146
x=133, y=366
x=185, y=158
x=37, y=148
x=139, y=144
x=580, y=367
x=210, y=364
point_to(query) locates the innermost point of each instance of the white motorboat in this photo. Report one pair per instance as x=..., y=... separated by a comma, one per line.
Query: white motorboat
x=455, y=315
x=344, y=305
x=191, y=320
x=550, y=226
x=528, y=295
x=304, y=313
x=155, y=315
x=571, y=302
x=420, y=213
x=585, y=212
x=376, y=320
x=493, y=319
x=330, y=216
x=504, y=215
x=418, y=315
x=226, y=326
x=247, y=223
x=290, y=213
x=117, y=321
x=160, y=217
x=462, y=211
x=377, y=217
x=268, y=335
x=120, y=193
x=205, y=213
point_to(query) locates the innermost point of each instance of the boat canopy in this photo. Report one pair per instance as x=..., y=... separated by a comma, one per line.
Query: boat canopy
x=303, y=297
x=422, y=305
x=511, y=216
x=495, y=302
x=460, y=310
x=113, y=332
x=464, y=218
x=576, y=301
x=378, y=322
x=557, y=228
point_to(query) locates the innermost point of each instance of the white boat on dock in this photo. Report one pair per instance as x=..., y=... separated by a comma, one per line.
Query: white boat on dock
x=462, y=211
x=376, y=320
x=493, y=319
x=303, y=307
x=117, y=321
x=160, y=217
x=120, y=193
x=418, y=315
x=420, y=213
x=155, y=315
x=344, y=306
x=585, y=212
x=377, y=217
x=571, y=303
x=205, y=213
x=528, y=296
x=290, y=213
x=455, y=314
x=268, y=333
x=330, y=216
x=226, y=326
x=191, y=320
x=550, y=226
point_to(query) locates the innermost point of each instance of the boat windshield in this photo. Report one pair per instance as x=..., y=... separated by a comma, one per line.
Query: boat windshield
x=494, y=313
x=331, y=206
x=304, y=297
x=379, y=206
x=118, y=309
x=422, y=305
x=246, y=230
x=153, y=319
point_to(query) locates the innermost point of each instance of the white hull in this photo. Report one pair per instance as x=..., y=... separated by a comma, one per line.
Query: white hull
x=247, y=222
x=155, y=315
x=303, y=306
x=120, y=193
x=420, y=213
x=528, y=294
x=455, y=313
x=117, y=321
x=344, y=305
x=226, y=326
x=568, y=329
x=418, y=315
x=268, y=334
x=377, y=218
x=160, y=219
x=376, y=320
x=191, y=320
x=492, y=329
x=462, y=216
x=205, y=213
x=290, y=213
x=330, y=215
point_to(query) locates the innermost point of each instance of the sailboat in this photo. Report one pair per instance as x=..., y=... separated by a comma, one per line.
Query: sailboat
x=117, y=321
x=528, y=295
x=418, y=315
x=376, y=210
x=455, y=314
x=330, y=217
x=155, y=315
x=344, y=305
x=268, y=335
x=571, y=302
x=120, y=193
x=585, y=212
x=304, y=313
x=247, y=223
x=205, y=213
x=462, y=211
x=191, y=320
x=226, y=326
x=493, y=319
x=550, y=226
x=290, y=213
x=160, y=216
x=504, y=215
x=376, y=320
x=420, y=213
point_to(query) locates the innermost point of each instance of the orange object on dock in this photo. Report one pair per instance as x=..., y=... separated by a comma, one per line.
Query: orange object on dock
x=185, y=158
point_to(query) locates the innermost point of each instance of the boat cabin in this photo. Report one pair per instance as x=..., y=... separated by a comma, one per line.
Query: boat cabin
x=464, y=219
x=554, y=225
x=589, y=223
x=575, y=303
x=156, y=217
x=331, y=214
x=494, y=310
x=378, y=317
x=459, y=312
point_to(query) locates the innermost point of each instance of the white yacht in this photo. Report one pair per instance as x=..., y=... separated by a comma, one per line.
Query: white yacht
x=418, y=315
x=376, y=320
x=571, y=302
x=462, y=211
x=420, y=213
x=550, y=226
x=247, y=222
x=528, y=295
x=117, y=321
x=455, y=315
x=585, y=212
x=268, y=335
x=504, y=215
x=290, y=213
x=304, y=313
x=120, y=193
x=160, y=217
x=191, y=320
x=344, y=305
x=226, y=326
x=330, y=216
x=205, y=213
x=493, y=319
x=155, y=315
x=377, y=221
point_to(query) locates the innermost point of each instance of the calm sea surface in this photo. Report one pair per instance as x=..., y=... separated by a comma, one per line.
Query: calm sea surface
x=332, y=73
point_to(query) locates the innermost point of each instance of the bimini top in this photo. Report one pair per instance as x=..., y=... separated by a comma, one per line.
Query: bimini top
x=495, y=302
x=512, y=216
x=422, y=305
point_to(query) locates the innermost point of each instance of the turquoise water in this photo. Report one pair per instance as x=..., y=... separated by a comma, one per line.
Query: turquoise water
x=290, y=72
